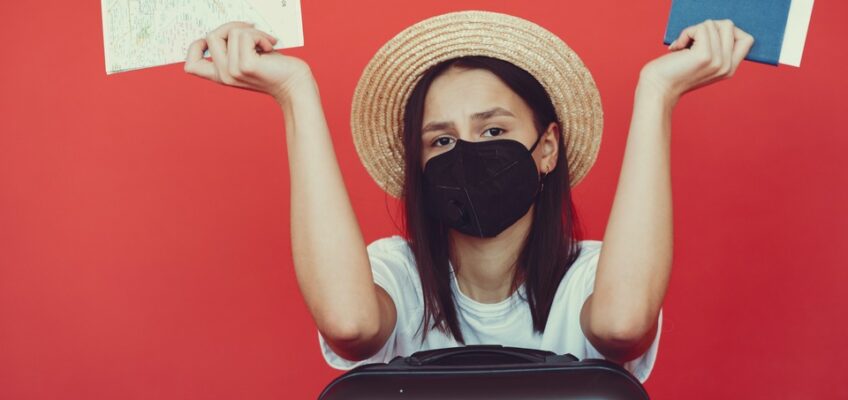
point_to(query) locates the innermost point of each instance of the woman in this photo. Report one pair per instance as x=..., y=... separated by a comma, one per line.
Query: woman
x=482, y=142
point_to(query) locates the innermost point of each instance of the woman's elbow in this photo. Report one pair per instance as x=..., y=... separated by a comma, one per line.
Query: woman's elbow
x=625, y=342
x=348, y=330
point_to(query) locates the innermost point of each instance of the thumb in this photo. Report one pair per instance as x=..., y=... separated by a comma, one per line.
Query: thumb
x=683, y=40
x=266, y=45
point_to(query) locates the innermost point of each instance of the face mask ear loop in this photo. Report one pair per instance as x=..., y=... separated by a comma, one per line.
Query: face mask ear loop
x=542, y=176
x=538, y=139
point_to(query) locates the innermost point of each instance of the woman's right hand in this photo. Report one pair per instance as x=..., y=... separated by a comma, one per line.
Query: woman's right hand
x=237, y=62
x=717, y=49
x=338, y=286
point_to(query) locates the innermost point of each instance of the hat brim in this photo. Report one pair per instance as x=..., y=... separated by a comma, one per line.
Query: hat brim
x=388, y=80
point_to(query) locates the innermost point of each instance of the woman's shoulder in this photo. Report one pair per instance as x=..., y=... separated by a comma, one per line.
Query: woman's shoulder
x=393, y=252
x=388, y=243
x=589, y=252
x=591, y=244
x=582, y=271
x=394, y=246
x=393, y=267
x=577, y=283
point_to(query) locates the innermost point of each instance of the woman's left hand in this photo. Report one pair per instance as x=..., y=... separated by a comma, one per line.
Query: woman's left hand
x=717, y=49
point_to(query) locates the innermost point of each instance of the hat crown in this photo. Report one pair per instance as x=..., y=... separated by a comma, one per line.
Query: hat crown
x=389, y=78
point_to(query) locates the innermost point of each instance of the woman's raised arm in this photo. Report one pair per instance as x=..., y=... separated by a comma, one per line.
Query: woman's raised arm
x=354, y=315
x=620, y=316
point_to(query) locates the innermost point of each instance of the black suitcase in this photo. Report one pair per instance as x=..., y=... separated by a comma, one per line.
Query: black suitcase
x=491, y=372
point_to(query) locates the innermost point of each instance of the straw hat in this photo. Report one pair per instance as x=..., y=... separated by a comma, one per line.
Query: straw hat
x=390, y=76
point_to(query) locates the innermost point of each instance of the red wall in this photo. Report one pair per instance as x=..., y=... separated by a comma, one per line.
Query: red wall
x=144, y=227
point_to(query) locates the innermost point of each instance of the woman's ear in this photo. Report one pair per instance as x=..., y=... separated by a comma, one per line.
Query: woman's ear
x=550, y=148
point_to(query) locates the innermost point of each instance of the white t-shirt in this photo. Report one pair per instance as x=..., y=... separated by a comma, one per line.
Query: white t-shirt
x=507, y=323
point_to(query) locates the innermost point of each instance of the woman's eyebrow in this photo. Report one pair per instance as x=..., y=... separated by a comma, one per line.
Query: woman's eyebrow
x=436, y=126
x=491, y=113
x=483, y=115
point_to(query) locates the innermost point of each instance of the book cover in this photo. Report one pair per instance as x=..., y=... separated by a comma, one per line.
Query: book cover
x=779, y=27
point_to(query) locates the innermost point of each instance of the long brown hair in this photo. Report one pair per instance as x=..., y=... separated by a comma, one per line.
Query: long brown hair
x=552, y=244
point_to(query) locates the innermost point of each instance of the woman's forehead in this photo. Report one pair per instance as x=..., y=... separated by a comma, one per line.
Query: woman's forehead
x=465, y=93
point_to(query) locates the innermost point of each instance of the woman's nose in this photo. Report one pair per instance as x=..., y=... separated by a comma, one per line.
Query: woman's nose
x=468, y=136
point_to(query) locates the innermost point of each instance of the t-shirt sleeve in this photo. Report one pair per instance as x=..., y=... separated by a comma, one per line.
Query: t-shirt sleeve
x=390, y=269
x=641, y=366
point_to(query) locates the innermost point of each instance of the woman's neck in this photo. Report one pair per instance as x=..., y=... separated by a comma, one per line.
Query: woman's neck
x=485, y=266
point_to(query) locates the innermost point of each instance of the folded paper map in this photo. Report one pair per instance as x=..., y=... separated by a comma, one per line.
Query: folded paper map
x=146, y=33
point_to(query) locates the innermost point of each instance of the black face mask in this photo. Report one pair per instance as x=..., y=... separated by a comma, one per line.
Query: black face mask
x=481, y=188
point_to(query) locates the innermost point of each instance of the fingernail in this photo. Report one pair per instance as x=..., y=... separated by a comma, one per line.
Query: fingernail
x=672, y=44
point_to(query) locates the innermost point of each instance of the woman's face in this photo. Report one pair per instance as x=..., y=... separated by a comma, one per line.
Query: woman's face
x=475, y=105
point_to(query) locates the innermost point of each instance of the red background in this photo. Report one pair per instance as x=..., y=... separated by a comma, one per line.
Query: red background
x=144, y=216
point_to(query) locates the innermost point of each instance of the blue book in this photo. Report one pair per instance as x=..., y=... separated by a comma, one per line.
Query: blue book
x=779, y=27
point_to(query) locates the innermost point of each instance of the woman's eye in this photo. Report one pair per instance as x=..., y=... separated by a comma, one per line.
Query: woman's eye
x=443, y=141
x=494, y=132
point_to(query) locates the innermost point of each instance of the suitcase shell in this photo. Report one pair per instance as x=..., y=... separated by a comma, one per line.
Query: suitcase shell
x=491, y=372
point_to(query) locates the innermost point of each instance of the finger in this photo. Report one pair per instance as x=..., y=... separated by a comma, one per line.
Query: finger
x=696, y=38
x=682, y=41
x=223, y=30
x=218, y=50
x=197, y=65
x=743, y=44
x=262, y=40
x=715, y=43
x=248, y=57
x=266, y=45
x=725, y=30
x=271, y=39
x=701, y=41
x=233, y=52
x=217, y=39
